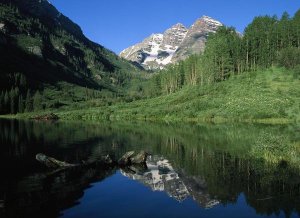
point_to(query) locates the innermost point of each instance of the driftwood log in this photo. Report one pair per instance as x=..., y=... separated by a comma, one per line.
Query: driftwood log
x=52, y=162
x=128, y=159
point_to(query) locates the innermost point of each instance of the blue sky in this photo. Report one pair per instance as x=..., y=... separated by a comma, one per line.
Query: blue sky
x=117, y=24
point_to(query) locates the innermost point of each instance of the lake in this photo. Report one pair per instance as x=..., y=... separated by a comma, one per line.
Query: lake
x=202, y=170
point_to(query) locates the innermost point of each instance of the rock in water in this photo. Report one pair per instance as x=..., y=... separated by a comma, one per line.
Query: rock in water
x=140, y=158
x=126, y=158
x=52, y=162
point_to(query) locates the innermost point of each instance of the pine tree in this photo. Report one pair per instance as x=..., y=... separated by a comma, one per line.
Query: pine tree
x=12, y=99
x=20, y=104
x=37, y=101
x=28, y=102
x=6, y=102
x=23, y=82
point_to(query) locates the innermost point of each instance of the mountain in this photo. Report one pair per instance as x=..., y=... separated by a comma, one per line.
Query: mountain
x=194, y=41
x=175, y=44
x=42, y=50
x=158, y=49
x=47, y=47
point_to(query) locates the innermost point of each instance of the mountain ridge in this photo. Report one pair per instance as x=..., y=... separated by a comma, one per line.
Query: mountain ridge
x=38, y=28
x=45, y=54
x=175, y=44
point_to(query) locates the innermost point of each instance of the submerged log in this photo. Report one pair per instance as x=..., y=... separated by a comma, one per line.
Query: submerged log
x=127, y=159
x=52, y=162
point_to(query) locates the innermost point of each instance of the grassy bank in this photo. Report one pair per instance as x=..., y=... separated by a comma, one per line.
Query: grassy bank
x=271, y=96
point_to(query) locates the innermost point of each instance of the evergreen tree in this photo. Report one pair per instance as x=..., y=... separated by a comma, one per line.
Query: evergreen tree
x=20, y=104
x=28, y=102
x=12, y=99
x=6, y=102
x=37, y=101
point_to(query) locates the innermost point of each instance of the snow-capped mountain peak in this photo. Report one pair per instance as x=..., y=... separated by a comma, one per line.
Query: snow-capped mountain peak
x=159, y=50
x=211, y=20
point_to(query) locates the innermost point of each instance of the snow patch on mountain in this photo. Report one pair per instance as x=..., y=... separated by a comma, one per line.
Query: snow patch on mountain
x=176, y=43
x=157, y=50
x=211, y=21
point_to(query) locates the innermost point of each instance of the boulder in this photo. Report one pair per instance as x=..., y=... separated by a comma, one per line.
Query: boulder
x=140, y=158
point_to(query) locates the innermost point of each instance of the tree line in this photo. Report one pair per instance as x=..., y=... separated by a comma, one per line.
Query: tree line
x=19, y=98
x=266, y=42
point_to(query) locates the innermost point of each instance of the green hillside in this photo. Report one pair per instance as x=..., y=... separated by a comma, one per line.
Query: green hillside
x=264, y=96
x=44, y=53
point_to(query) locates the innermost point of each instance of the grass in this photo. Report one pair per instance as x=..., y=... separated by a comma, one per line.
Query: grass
x=271, y=96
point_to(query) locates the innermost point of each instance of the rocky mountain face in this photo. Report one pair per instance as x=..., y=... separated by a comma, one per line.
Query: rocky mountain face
x=195, y=39
x=175, y=44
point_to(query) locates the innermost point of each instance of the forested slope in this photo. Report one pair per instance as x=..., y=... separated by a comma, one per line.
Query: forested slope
x=47, y=62
x=266, y=42
x=249, y=77
x=254, y=76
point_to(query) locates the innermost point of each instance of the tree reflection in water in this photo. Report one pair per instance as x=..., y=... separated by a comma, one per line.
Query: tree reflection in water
x=213, y=164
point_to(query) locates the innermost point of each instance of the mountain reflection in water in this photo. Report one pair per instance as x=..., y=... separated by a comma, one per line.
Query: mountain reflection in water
x=199, y=167
x=161, y=176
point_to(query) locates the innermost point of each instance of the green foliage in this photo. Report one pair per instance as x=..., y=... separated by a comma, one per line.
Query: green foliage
x=37, y=101
x=266, y=42
x=289, y=57
x=28, y=102
x=265, y=96
x=40, y=53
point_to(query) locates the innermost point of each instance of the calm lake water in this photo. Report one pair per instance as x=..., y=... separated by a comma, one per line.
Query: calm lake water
x=193, y=171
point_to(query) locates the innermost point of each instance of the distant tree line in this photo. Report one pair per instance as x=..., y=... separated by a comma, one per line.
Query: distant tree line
x=267, y=41
x=19, y=98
